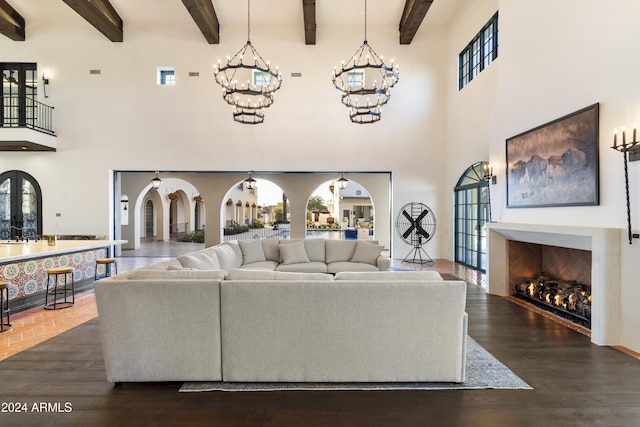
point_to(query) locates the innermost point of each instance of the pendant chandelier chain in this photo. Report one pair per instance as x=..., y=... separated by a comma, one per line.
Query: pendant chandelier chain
x=365, y=21
x=248, y=20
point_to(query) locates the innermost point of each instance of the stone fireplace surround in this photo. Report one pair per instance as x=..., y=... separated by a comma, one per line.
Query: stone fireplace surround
x=604, y=244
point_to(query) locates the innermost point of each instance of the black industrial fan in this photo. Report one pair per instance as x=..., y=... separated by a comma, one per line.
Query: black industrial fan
x=416, y=224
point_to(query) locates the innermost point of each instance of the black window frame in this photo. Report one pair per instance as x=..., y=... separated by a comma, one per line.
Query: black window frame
x=481, y=51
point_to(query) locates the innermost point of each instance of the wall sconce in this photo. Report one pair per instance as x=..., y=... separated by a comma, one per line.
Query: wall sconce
x=155, y=182
x=251, y=183
x=125, y=204
x=488, y=174
x=45, y=83
x=342, y=182
x=631, y=152
x=491, y=178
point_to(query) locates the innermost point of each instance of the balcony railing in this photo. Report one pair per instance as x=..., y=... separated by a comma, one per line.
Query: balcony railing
x=22, y=111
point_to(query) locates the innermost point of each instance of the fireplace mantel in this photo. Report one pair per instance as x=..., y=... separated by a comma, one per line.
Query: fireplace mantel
x=604, y=244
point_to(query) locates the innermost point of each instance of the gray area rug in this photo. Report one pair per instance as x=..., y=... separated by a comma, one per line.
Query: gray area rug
x=483, y=371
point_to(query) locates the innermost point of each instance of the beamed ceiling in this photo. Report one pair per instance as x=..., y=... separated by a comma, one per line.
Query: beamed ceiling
x=209, y=15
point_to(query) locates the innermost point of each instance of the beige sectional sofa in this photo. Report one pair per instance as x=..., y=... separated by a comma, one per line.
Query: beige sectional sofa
x=169, y=322
x=301, y=255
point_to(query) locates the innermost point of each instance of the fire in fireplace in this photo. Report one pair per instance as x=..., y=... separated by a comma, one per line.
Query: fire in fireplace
x=565, y=298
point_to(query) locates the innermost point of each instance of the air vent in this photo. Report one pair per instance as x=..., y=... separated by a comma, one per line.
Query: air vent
x=194, y=73
x=296, y=74
x=94, y=71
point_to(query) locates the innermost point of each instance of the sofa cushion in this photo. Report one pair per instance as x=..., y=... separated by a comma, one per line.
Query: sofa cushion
x=271, y=249
x=294, y=253
x=227, y=256
x=339, y=250
x=385, y=276
x=366, y=252
x=213, y=275
x=304, y=267
x=244, y=274
x=315, y=249
x=337, y=267
x=252, y=251
x=262, y=265
x=248, y=274
x=285, y=275
x=200, y=260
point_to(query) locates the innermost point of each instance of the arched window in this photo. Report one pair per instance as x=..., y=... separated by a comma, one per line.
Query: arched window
x=20, y=206
x=471, y=215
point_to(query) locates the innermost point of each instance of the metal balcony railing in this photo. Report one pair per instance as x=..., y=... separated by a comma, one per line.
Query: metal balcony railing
x=22, y=111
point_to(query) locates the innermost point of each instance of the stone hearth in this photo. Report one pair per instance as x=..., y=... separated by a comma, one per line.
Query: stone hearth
x=604, y=245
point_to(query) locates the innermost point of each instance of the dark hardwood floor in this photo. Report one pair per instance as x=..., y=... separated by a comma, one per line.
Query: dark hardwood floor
x=575, y=383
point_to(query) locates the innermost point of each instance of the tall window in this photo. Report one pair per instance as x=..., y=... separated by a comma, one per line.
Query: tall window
x=479, y=53
x=471, y=217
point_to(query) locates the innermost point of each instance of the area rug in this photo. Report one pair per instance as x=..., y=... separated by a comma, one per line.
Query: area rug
x=483, y=371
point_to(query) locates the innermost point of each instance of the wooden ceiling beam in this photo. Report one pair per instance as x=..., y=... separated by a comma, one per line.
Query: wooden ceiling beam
x=101, y=15
x=12, y=23
x=204, y=15
x=309, y=14
x=412, y=16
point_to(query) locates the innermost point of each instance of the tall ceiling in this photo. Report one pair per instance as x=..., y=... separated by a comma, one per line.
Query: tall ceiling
x=211, y=16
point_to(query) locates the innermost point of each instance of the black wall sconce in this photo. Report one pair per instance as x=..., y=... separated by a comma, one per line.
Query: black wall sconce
x=45, y=83
x=630, y=152
x=491, y=178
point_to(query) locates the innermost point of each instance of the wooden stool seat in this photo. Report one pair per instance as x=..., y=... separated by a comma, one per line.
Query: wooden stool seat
x=56, y=272
x=4, y=306
x=59, y=270
x=106, y=262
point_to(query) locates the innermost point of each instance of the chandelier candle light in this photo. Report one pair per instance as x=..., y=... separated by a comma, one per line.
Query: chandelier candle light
x=248, y=82
x=365, y=82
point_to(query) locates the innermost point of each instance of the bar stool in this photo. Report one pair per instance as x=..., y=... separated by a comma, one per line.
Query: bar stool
x=4, y=306
x=56, y=272
x=106, y=262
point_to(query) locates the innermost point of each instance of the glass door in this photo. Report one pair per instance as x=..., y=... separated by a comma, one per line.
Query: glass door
x=18, y=94
x=471, y=217
x=20, y=206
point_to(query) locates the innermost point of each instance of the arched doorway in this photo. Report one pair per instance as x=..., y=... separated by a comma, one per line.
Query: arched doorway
x=20, y=206
x=340, y=213
x=471, y=196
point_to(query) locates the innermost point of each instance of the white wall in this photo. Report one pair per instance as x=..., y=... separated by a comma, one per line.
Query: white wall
x=122, y=120
x=554, y=58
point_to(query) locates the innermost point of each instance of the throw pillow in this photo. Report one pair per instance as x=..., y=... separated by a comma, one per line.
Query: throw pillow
x=201, y=260
x=271, y=249
x=366, y=253
x=252, y=251
x=293, y=253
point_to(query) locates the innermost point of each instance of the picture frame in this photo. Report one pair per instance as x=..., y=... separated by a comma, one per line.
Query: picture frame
x=555, y=164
